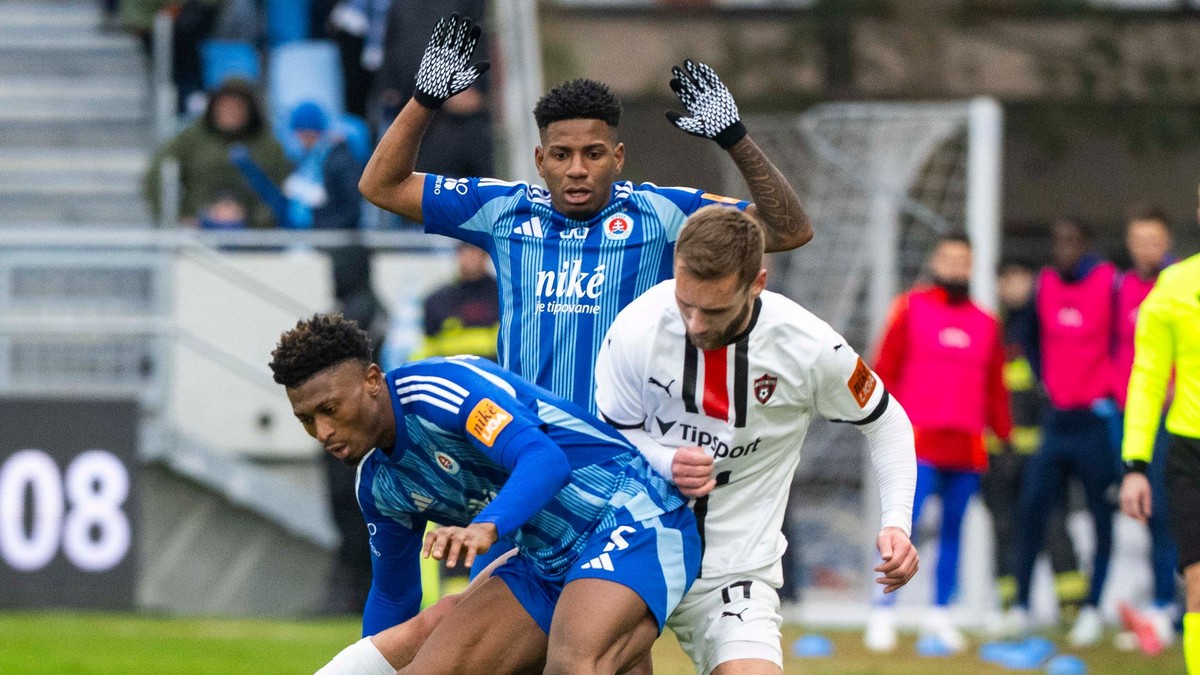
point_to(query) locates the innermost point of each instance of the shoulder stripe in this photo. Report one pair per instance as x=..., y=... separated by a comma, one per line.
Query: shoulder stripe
x=489, y=182
x=430, y=389
x=499, y=382
x=452, y=386
x=437, y=402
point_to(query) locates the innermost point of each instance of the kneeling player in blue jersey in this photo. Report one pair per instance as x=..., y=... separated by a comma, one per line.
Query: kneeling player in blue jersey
x=606, y=547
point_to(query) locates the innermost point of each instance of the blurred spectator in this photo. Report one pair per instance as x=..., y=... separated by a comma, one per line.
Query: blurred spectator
x=942, y=356
x=459, y=141
x=1070, y=349
x=1001, y=486
x=137, y=18
x=194, y=23
x=358, y=28
x=1148, y=238
x=323, y=191
x=233, y=121
x=463, y=317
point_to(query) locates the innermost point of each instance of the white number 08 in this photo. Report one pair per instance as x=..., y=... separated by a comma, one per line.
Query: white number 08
x=96, y=486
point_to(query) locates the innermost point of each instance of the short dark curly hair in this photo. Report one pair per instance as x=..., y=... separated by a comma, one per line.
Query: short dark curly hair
x=316, y=344
x=578, y=99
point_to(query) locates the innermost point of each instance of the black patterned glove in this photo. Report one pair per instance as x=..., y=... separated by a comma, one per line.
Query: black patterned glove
x=712, y=112
x=444, y=71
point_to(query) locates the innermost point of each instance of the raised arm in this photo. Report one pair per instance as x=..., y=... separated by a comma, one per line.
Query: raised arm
x=390, y=180
x=713, y=114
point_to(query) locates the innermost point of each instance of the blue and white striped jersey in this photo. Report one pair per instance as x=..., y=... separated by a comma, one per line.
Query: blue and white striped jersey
x=475, y=443
x=562, y=281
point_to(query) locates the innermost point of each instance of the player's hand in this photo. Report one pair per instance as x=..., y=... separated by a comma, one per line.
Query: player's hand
x=448, y=543
x=692, y=471
x=712, y=112
x=900, y=559
x=1135, y=496
x=444, y=71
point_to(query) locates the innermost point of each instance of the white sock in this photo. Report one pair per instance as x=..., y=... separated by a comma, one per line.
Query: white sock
x=360, y=658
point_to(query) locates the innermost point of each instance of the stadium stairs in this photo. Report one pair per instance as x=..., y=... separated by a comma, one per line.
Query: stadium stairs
x=75, y=118
x=218, y=533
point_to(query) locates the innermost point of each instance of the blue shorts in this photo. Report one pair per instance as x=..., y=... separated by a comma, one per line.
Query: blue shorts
x=658, y=558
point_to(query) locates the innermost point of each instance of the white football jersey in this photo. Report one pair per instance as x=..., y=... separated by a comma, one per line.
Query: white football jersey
x=749, y=404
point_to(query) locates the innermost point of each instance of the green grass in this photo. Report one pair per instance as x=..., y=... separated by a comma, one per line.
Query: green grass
x=34, y=643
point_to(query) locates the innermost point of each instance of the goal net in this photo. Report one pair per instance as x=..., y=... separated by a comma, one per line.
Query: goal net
x=880, y=181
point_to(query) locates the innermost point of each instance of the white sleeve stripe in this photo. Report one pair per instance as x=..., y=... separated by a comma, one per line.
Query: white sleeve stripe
x=431, y=401
x=431, y=389
x=435, y=380
x=488, y=376
x=487, y=182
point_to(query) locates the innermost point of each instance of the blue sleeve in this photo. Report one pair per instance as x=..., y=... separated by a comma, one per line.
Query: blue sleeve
x=465, y=208
x=539, y=470
x=690, y=200
x=496, y=423
x=395, y=595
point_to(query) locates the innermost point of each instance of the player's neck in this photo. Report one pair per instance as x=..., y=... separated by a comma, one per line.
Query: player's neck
x=385, y=439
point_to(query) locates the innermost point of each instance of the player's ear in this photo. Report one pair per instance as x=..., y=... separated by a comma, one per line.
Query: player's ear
x=619, y=153
x=759, y=284
x=538, y=157
x=374, y=380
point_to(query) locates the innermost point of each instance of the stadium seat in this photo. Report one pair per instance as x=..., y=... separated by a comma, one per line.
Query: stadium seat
x=223, y=59
x=287, y=21
x=357, y=134
x=310, y=70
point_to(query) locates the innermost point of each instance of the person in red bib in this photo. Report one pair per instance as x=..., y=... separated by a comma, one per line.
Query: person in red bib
x=943, y=357
x=1071, y=353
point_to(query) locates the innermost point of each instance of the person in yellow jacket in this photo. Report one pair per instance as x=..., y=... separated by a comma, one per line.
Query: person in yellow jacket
x=1167, y=339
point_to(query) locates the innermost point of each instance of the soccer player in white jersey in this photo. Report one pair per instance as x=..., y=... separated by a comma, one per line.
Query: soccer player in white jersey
x=716, y=380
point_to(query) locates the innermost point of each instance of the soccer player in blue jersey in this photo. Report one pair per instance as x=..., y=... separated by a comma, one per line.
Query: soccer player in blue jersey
x=606, y=547
x=572, y=254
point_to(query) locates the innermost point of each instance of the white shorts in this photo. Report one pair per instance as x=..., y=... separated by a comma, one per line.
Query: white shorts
x=731, y=617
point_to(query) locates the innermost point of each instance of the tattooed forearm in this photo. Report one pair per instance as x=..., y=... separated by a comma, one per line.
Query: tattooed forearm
x=777, y=204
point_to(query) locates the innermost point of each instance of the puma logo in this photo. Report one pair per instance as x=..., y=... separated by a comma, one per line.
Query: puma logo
x=665, y=387
x=737, y=614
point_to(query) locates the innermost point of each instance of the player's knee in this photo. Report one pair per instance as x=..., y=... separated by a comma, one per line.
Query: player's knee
x=400, y=644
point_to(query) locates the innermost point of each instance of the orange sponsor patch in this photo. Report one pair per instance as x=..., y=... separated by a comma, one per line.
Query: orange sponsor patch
x=718, y=198
x=487, y=420
x=861, y=384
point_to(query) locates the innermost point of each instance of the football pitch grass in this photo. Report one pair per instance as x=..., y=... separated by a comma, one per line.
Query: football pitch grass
x=57, y=643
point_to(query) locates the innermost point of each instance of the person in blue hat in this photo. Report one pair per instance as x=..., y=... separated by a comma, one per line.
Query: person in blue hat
x=323, y=192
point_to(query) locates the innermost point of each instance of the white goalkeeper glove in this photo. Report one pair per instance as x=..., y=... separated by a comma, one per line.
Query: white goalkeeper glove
x=712, y=112
x=444, y=71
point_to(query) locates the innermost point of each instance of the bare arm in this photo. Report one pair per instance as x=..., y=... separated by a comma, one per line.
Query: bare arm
x=776, y=204
x=390, y=180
